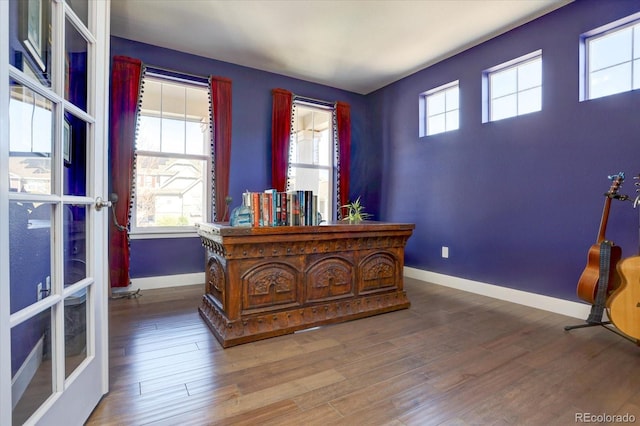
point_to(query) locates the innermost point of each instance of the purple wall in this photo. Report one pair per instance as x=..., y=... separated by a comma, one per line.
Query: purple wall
x=518, y=201
x=251, y=145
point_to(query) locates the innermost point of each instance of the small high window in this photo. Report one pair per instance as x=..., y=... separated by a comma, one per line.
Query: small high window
x=440, y=109
x=613, y=61
x=515, y=88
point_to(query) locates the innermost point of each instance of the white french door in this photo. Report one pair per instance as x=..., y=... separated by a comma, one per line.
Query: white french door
x=53, y=229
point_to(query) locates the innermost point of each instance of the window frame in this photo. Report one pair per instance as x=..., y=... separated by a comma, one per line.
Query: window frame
x=586, y=39
x=332, y=168
x=424, y=108
x=487, y=115
x=137, y=232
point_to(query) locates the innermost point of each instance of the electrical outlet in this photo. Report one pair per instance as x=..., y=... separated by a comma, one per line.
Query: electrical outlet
x=39, y=290
x=445, y=252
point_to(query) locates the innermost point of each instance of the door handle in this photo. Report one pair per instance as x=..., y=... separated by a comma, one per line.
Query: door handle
x=100, y=203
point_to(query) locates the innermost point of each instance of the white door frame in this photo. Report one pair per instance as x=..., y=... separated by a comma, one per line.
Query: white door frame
x=5, y=330
x=74, y=398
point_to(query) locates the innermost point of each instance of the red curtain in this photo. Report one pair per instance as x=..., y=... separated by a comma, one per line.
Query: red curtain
x=125, y=89
x=343, y=119
x=280, y=137
x=221, y=119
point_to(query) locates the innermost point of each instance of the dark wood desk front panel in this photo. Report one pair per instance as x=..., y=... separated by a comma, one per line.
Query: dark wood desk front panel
x=268, y=281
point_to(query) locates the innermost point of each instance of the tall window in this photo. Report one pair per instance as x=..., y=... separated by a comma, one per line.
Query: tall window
x=172, y=156
x=515, y=88
x=613, y=61
x=312, y=154
x=441, y=109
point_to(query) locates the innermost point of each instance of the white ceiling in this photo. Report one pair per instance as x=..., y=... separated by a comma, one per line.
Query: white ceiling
x=356, y=45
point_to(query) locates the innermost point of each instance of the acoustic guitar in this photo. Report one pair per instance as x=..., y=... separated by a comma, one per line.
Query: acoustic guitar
x=590, y=277
x=623, y=306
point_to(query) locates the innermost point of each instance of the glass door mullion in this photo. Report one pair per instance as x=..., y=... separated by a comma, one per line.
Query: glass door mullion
x=29, y=312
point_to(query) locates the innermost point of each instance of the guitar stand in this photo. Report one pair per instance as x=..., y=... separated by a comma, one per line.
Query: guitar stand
x=604, y=324
x=597, y=308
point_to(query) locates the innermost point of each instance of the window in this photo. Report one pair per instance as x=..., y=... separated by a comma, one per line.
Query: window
x=515, y=88
x=172, y=156
x=312, y=154
x=440, y=108
x=613, y=61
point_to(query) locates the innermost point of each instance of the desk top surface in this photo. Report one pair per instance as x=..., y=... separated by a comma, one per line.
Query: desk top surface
x=225, y=230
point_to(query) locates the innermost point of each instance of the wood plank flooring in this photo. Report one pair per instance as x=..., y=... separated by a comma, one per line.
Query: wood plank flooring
x=453, y=358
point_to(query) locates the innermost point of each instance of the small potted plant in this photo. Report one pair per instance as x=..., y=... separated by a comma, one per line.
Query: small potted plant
x=355, y=212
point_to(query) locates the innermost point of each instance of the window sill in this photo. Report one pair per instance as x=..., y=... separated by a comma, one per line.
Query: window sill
x=161, y=235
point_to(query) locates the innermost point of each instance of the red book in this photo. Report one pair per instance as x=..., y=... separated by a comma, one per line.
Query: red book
x=255, y=208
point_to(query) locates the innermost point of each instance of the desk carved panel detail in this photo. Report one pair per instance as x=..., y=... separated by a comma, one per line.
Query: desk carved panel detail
x=329, y=278
x=269, y=285
x=265, y=282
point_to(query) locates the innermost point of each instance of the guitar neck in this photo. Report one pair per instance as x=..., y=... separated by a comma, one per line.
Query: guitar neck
x=604, y=219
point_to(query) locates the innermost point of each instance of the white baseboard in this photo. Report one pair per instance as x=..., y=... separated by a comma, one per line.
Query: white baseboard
x=539, y=301
x=25, y=373
x=150, y=283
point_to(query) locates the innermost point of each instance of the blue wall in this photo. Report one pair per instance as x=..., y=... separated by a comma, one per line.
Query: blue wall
x=517, y=201
x=251, y=145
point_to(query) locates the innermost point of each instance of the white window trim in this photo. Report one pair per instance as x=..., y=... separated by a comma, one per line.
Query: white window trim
x=140, y=233
x=333, y=167
x=423, y=110
x=486, y=86
x=595, y=34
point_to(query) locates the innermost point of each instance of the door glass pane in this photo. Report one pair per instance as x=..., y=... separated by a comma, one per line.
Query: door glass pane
x=74, y=237
x=75, y=330
x=75, y=72
x=29, y=253
x=80, y=8
x=31, y=370
x=74, y=151
x=30, y=45
x=30, y=141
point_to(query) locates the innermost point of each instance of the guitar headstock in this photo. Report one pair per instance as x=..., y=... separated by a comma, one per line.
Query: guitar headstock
x=616, y=183
x=637, y=200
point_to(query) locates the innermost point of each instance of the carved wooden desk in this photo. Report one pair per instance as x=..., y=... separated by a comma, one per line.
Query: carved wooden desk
x=269, y=281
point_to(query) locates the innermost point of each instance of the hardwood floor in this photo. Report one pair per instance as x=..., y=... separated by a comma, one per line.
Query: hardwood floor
x=453, y=358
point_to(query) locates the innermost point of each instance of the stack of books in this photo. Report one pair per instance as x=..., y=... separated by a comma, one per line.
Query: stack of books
x=273, y=208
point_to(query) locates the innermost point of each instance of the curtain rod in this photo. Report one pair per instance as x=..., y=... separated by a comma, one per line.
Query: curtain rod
x=313, y=101
x=175, y=73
